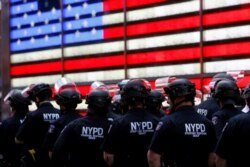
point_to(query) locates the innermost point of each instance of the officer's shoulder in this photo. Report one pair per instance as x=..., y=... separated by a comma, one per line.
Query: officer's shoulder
x=75, y=123
x=152, y=116
x=120, y=119
x=167, y=118
x=6, y=122
x=218, y=113
x=241, y=117
x=32, y=114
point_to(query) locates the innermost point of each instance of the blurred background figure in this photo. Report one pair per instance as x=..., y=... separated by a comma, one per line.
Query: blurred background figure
x=210, y=106
x=117, y=106
x=8, y=129
x=226, y=94
x=154, y=103
x=246, y=97
x=80, y=142
x=122, y=83
x=67, y=96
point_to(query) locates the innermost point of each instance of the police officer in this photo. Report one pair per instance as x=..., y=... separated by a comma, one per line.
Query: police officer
x=246, y=97
x=154, y=103
x=80, y=141
x=19, y=108
x=210, y=106
x=233, y=146
x=67, y=99
x=227, y=94
x=184, y=138
x=129, y=137
x=35, y=126
x=116, y=105
x=97, y=85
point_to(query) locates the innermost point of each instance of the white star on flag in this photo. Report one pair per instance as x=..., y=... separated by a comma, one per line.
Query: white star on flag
x=69, y=26
x=18, y=42
x=25, y=32
x=39, y=13
x=32, y=40
x=32, y=23
x=39, y=30
x=85, y=5
x=46, y=21
x=18, y=26
x=77, y=34
x=93, y=31
x=25, y=16
x=93, y=13
x=53, y=10
x=32, y=6
x=77, y=16
x=69, y=8
x=18, y=8
x=46, y=38
x=53, y=28
x=85, y=23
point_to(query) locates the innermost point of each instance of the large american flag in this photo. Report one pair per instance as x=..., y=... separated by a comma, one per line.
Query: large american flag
x=162, y=39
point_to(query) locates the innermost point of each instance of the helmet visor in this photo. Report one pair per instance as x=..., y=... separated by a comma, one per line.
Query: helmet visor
x=64, y=83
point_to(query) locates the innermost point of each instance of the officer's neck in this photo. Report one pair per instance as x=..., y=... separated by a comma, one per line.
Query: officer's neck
x=137, y=106
x=184, y=104
x=43, y=102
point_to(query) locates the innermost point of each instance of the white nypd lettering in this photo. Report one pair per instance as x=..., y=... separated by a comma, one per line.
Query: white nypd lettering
x=50, y=116
x=141, y=127
x=202, y=111
x=92, y=132
x=195, y=129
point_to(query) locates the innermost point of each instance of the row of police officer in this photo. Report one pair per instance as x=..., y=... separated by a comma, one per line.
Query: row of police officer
x=184, y=138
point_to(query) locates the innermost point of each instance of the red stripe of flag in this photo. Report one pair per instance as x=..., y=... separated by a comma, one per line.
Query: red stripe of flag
x=110, y=5
x=228, y=49
x=237, y=15
x=48, y=67
x=226, y=17
x=163, y=56
x=92, y=63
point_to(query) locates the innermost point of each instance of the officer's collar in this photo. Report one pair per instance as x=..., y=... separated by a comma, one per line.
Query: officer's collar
x=136, y=110
x=45, y=103
x=185, y=108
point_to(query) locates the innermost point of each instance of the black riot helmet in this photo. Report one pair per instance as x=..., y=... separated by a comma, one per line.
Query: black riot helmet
x=67, y=93
x=122, y=83
x=246, y=92
x=154, y=99
x=42, y=91
x=15, y=99
x=68, y=98
x=227, y=91
x=136, y=90
x=180, y=88
x=217, y=78
x=98, y=99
